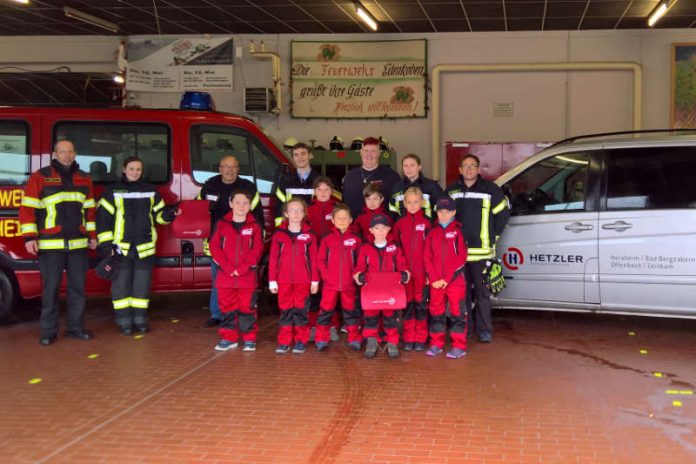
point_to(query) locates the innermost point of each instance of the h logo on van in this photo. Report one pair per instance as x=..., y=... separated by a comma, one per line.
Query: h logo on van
x=513, y=259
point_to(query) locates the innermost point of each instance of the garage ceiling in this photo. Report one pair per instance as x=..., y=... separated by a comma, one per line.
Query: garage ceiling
x=46, y=17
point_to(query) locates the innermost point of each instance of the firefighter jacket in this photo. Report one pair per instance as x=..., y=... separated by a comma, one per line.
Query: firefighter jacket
x=361, y=226
x=410, y=232
x=445, y=253
x=58, y=208
x=293, y=258
x=218, y=194
x=429, y=187
x=319, y=215
x=127, y=215
x=237, y=247
x=338, y=253
x=371, y=258
x=483, y=212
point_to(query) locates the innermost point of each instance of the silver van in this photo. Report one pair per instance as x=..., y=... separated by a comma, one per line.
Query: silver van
x=604, y=223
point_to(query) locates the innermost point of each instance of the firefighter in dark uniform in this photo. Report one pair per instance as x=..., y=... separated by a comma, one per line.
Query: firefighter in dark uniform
x=411, y=168
x=483, y=212
x=218, y=190
x=298, y=183
x=126, y=220
x=57, y=222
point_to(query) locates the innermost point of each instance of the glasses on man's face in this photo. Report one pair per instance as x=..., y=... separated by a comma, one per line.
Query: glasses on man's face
x=469, y=166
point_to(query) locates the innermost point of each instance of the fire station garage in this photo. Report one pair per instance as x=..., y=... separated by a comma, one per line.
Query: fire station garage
x=342, y=231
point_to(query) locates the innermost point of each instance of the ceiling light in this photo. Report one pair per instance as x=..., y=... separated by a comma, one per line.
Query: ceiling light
x=23, y=2
x=119, y=79
x=89, y=19
x=366, y=17
x=659, y=11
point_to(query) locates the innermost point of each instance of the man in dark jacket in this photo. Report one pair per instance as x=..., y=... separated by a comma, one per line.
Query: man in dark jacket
x=483, y=212
x=218, y=190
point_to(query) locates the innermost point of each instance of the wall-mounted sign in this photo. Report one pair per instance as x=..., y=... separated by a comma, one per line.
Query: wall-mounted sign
x=503, y=110
x=359, y=79
x=173, y=64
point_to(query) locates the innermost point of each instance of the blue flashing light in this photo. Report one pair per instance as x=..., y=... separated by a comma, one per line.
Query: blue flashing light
x=196, y=101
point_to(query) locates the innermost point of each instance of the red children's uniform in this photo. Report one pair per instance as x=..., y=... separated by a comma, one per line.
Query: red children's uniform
x=237, y=247
x=410, y=232
x=292, y=266
x=336, y=260
x=445, y=257
x=361, y=226
x=389, y=258
x=319, y=215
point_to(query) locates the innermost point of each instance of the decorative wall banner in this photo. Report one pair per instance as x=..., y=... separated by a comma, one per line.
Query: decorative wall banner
x=173, y=64
x=359, y=79
x=683, y=101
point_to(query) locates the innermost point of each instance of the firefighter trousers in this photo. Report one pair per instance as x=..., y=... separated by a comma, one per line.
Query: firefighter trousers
x=51, y=265
x=293, y=301
x=455, y=295
x=130, y=290
x=480, y=312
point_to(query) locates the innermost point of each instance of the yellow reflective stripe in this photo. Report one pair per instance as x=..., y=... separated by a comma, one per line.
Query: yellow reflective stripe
x=139, y=302
x=501, y=206
x=61, y=197
x=145, y=246
x=158, y=206
x=206, y=247
x=103, y=203
x=31, y=202
x=77, y=243
x=119, y=219
x=480, y=257
x=145, y=254
x=105, y=236
x=160, y=219
x=59, y=244
x=89, y=203
x=485, y=212
x=278, y=221
x=394, y=208
x=90, y=226
x=28, y=229
x=338, y=195
x=280, y=195
x=123, y=303
x=125, y=247
x=255, y=202
x=427, y=206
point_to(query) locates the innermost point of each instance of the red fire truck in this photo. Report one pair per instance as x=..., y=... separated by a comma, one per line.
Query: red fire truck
x=181, y=150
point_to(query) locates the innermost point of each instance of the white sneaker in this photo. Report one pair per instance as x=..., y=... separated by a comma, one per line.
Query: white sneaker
x=224, y=345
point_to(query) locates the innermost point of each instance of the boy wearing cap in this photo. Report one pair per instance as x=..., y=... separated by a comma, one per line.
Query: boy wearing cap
x=382, y=255
x=445, y=258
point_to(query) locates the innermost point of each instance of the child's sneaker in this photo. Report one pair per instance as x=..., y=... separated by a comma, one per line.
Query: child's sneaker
x=392, y=350
x=344, y=330
x=322, y=346
x=355, y=346
x=419, y=347
x=312, y=333
x=408, y=346
x=456, y=353
x=371, y=347
x=224, y=345
x=282, y=349
x=299, y=348
x=434, y=351
x=249, y=346
x=334, y=334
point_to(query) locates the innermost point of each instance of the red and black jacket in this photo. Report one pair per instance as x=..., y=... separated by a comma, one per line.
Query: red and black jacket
x=361, y=226
x=319, y=215
x=374, y=259
x=410, y=233
x=58, y=208
x=236, y=247
x=293, y=258
x=338, y=253
x=445, y=253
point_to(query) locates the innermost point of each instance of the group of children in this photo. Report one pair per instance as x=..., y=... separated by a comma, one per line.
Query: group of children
x=319, y=248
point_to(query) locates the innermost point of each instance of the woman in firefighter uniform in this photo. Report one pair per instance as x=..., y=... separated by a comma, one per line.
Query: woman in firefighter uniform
x=126, y=217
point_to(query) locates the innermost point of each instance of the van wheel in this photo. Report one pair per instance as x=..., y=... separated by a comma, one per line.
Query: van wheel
x=8, y=295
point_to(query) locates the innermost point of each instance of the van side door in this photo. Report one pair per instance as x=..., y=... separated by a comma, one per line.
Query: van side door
x=647, y=231
x=549, y=248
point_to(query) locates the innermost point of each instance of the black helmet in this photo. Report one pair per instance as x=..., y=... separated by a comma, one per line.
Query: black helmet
x=336, y=143
x=383, y=144
x=356, y=144
x=107, y=268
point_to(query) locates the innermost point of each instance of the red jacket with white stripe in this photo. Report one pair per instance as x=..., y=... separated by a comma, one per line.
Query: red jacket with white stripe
x=445, y=252
x=293, y=258
x=361, y=226
x=319, y=215
x=410, y=233
x=387, y=259
x=237, y=249
x=338, y=253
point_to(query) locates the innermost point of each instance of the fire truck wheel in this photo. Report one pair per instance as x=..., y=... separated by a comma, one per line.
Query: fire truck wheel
x=8, y=295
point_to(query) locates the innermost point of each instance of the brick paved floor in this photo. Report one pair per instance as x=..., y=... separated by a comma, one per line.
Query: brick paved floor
x=552, y=388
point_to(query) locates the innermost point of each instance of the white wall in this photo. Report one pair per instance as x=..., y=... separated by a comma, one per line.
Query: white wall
x=547, y=106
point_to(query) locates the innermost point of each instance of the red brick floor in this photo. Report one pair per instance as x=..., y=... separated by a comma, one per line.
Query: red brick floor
x=552, y=388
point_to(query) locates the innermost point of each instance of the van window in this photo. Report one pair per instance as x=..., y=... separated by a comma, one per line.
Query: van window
x=102, y=147
x=651, y=178
x=14, y=152
x=209, y=144
x=267, y=168
x=555, y=184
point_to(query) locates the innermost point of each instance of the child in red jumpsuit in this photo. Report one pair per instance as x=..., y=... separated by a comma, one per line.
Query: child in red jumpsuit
x=293, y=275
x=237, y=246
x=410, y=232
x=336, y=260
x=381, y=256
x=445, y=257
